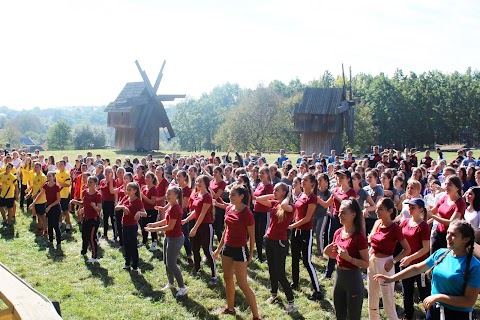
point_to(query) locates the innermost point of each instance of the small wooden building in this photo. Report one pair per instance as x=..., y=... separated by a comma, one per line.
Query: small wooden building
x=137, y=115
x=322, y=117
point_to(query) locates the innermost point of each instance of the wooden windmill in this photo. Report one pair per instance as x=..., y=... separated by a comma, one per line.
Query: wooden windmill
x=137, y=114
x=322, y=117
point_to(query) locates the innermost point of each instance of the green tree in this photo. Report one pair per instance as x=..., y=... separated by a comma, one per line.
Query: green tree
x=11, y=135
x=86, y=136
x=59, y=137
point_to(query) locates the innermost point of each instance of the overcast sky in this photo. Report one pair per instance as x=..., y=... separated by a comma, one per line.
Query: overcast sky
x=74, y=53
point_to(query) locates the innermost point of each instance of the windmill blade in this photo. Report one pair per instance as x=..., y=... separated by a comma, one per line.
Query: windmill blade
x=159, y=78
x=147, y=82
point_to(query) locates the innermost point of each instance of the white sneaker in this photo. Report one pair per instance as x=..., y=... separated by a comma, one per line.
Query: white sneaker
x=169, y=286
x=153, y=247
x=181, y=292
x=92, y=260
x=291, y=308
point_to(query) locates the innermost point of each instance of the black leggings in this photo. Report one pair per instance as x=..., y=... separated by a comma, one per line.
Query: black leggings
x=332, y=228
x=150, y=218
x=130, y=245
x=118, y=226
x=348, y=291
x=108, y=208
x=408, y=287
x=276, y=251
x=302, y=248
x=89, y=235
x=218, y=222
x=53, y=216
x=22, y=196
x=260, y=229
x=186, y=234
x=439, y=240
x=434, y=314
x=204, y=239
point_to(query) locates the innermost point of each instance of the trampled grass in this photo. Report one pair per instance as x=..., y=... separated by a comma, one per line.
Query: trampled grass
x=105, y=291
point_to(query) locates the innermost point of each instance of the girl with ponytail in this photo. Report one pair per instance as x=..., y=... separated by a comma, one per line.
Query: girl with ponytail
x=455, y=274
x=276, y=240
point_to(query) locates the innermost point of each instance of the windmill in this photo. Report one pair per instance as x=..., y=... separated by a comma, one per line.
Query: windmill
x=138, y=113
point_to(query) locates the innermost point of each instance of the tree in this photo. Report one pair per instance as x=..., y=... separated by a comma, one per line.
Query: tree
x=11, y=135
x=86, y=136
x=58, y=137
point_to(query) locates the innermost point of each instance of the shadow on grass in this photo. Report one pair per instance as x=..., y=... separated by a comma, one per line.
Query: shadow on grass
x=55, y=254
x=144, y=287
x=99, y=272
x=197, y=309
x=9, y=233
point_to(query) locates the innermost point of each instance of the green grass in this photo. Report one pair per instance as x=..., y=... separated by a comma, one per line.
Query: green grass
x=104, y=290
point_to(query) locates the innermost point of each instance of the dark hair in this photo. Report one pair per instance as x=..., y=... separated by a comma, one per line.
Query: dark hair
x=476, y=201
x=467, y=231
x=358, y=221
x=389, y=176
x=129, y=175
x=288, y=195
x=457, y=182
x=242, y=190
x=205, y=179
x=154, y=178
x=142, y=167
x=389, y=205
x=267, y=171
x=135, y=186
x=464, y=174
x=313, y=180
x=92, y=178
x=246, y=184
x=179, y=193
x=325, y=177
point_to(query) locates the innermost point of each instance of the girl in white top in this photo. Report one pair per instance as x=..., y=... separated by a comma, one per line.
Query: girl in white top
x=472, y=213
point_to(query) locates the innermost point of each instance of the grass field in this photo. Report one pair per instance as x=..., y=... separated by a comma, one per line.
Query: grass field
x=105, y=291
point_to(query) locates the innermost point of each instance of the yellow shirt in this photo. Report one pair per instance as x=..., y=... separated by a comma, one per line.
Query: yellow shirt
x=37, y=184
x=27, y=175
x=64, y=177
x=8, y=182
x=13, y=170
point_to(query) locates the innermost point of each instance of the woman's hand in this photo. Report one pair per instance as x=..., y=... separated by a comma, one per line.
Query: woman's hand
x=342, y=253
x=388, y=265
x=405, y=262
x=147, y=228
x=193, y=232
x=47, y=209
x=429, y=301
x=216, y=254
x=388, y=193
x=383, y=277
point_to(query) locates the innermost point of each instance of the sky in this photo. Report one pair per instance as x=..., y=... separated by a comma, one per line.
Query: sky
x=81, y=53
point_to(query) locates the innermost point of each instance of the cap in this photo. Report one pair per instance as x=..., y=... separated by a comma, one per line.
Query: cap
x=417, y=202
x=344, y=172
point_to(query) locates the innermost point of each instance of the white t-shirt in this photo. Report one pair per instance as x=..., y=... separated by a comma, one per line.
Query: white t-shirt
x=473, y=217
x=68, y=166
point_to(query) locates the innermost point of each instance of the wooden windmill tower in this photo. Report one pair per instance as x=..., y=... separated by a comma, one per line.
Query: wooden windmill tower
x=322, y=117
x=138, y=114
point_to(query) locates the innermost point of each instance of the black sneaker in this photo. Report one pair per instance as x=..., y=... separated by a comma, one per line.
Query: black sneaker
x=316, y=296
x=294, y=286
x=125, y=267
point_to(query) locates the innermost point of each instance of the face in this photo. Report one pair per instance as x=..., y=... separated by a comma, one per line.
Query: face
x=382, y=212
x=131, y=191
x=450, y=187
x=415, y=210
x=91, y=183
x=322, y=183
x=412, y=190
x=455, y=240
x=279, y=193
x=341, y=178
x=180, y=177
x=263, y=174
x=384, y=178
x=235, y=197
x=171, y=196
x=469, y=196
x=148, y=178
x=200, y=184
x=345, y=214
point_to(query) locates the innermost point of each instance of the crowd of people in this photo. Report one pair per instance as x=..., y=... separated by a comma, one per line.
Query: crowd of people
x=384, y=217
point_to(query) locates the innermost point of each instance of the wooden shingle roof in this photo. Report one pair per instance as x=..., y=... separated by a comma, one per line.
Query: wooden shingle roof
x=320, y=101
x=133, y=94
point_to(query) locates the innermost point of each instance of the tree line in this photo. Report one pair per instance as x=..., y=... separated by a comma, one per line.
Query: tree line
x=403, y=110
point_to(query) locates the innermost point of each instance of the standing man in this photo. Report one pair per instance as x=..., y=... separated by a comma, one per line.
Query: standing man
x=331, y=159
x=282, y=157
x=374, y=158
x=64, y=181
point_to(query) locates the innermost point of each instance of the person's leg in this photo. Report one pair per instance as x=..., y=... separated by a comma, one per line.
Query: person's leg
x=174, y=246
x=56, y=227
x=152, y=218
x=196, y=244
x=207, y=245
x=260, y=223
x=354, y=293
x=228, y=268
x=407, y=291
x=111, y=214
x=186, y=237
x=269, y=252
x=218, y=223
x=241, y=276
x=105, y=219
x=85, y=238
x=118, y=226
x=165, y=259
x=388, y=291
x=23, y=187
x=51, y=222
x=279, y=258
x=334, y=226
x=92, y=226
x=373, y=291
x=321, y=244
x=340, y=296
x=127, y=238
x=307, y=258
x=296, y=243
x=424, y=285
x=134, y=247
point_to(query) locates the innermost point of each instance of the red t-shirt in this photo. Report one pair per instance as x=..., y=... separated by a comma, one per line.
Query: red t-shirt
x=262, y=190
x=348, y=163
x=162, y=191
x=277, y=230
x=384, y=240
x=187, y=192
x=344, y=196
x=174, y=212
x=353, y=245
x=121, y=193
x=140, y=181
x=302, y=205
x=51, y=193
x=133, y=206
x=88, y=199
x=105, y=190
x=149, y=193
x=196, y=203
x=118, y=183
x=415, y=236
x=446, y=211
x=214, y=186
x=236, y=232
